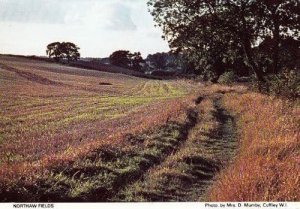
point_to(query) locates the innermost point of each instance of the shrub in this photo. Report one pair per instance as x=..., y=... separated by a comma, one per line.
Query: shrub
x=259, y=86
x=227, y=78
x=285, y=84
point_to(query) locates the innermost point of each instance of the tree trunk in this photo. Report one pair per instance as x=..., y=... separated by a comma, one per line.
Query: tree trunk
x=276, y=34
x=247, y=46
x=249, y=55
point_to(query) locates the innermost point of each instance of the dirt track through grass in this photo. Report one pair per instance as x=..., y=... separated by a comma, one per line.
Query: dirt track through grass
x=186, y=174
x=223, y=141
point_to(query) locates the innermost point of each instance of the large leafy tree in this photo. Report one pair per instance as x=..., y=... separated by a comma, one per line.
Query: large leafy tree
x=136, y=60
x=160, y=60
x=53, y=50
x=216, y=33
x=289, y=49
x=64, y=50
x=120, y=58
x=280, y=19
x=125, y=58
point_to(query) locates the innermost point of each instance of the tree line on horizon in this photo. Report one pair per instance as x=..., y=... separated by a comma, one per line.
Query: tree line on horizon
x=68, y=51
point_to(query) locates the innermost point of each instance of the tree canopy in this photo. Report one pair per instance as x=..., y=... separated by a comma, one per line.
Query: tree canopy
x=64, y=50
x=125, y=58
x=216, y=34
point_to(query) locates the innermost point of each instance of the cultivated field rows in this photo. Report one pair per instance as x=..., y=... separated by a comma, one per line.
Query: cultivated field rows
x=47, y=108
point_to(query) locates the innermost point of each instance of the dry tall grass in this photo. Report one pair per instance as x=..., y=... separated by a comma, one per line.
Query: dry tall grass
x=267, y=166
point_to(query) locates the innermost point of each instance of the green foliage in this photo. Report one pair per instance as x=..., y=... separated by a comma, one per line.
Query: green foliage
x=216, y=34
x=64, y=50
x=285, y=84
x=124, y=58
x=289, y=55
x=160, y=60
x=227, y=78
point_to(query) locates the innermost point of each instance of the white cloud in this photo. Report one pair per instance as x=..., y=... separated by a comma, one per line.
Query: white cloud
x=98, y=26
x=105, y=14
x=120, y=18
x=36, y=11
x=115, y=15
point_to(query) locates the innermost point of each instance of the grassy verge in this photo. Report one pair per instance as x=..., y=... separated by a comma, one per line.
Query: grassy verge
x=267, y=165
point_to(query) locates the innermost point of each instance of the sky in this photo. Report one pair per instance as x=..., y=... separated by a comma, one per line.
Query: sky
x=98, y=27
